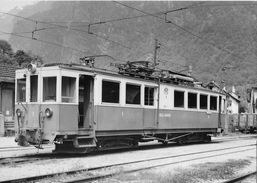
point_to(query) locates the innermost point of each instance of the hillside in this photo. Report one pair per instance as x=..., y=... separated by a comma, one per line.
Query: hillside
x=226, y=25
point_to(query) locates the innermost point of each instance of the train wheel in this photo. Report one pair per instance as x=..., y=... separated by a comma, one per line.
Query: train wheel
x=165, y=143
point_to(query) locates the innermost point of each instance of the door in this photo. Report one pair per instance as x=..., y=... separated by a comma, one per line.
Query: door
x=86, y=88
x=7, y=102
x=219, y=117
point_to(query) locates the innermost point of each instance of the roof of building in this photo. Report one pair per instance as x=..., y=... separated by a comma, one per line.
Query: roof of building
x=7, y=72
x=234, y=96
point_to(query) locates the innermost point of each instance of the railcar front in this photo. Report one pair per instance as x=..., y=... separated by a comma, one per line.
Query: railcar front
x=53, y=104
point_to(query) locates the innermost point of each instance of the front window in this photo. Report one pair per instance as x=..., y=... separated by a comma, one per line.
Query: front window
x=68, y=89
x=49, y=89
x=21, y=90
x=33, y=88
x=132, y=94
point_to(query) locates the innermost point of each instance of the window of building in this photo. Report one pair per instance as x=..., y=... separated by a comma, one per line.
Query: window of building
x=178, y=99
x=68, y=89
x=203, y=101
x=49, y=89
x=110, y=92
x=213, y=103
x=132, y=94
x=33, y=88
x=149, y=96
x=21, y=90
x=192, y=100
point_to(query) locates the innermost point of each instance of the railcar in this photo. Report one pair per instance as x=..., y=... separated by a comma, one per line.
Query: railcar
x=81, y=108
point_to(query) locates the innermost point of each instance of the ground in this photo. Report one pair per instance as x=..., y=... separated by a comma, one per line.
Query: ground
x=210, y=169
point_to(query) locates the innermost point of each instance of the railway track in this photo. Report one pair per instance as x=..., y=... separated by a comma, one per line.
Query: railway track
x=141, y=147
x=30, y=158
x=101, y=172
x=8, y=149
x=241, y=178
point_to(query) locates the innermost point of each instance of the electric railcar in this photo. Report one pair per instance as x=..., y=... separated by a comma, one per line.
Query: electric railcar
x=81, y=108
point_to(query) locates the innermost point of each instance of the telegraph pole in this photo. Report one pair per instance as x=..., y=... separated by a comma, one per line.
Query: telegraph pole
x=157, y=45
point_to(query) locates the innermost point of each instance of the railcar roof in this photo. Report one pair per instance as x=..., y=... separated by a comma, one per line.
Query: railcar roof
x=80, y=67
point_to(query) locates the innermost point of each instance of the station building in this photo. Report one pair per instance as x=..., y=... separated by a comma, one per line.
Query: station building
x=7, y=94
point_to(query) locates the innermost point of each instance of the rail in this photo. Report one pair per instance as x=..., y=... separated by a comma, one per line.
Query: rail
x=235, y=149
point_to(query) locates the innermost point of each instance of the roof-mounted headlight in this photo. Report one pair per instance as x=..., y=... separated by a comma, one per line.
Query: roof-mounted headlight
x=48, y=113
x=32, y=68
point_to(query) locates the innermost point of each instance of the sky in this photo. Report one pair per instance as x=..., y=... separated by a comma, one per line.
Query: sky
x=7, y=5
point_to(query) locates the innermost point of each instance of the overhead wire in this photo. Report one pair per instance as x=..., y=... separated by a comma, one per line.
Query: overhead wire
x=195, y=5
x=127, y=18
x=66, y=27
x=182, y=28
x=56, y=44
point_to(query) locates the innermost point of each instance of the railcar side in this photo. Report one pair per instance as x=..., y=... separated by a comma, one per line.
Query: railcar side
x=80, y=109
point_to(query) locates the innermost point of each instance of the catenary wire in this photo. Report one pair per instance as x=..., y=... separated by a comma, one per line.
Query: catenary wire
x=182, y=28
x=66, y=27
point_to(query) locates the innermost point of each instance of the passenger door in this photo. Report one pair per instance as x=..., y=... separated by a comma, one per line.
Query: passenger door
x=86, y=87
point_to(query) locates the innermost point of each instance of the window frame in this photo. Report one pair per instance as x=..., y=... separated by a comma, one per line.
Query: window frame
x=184, y=94
x=38, y=88
x=154, y=95
x=140, y=90
x=196, y=101
x=75, y=89
x=207, y=101
x=16, y=90
x=101, y=94
x=217, y=107
x=56, y=89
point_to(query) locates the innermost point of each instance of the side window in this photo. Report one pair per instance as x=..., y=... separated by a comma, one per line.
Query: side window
x=213, y=103
x=203, y=101
x=178, y=99
x=21, y=90
x=192, y=100
x=49, y=89
x=33, y=88
x=149, y=96
x=68, y=89
x=110, y=92
x=132, y=94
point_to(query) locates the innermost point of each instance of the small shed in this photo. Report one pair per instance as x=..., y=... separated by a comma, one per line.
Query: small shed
x=233, y=103
x=7, y=93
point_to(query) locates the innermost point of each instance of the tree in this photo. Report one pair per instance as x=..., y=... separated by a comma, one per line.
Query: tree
x=5, y=47
x=23, y=58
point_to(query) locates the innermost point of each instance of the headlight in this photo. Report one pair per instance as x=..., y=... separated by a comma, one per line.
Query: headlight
x=48, y=113
x=32, y=68
x=18, y=112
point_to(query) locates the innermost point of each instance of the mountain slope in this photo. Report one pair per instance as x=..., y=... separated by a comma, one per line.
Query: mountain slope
x=223, y=28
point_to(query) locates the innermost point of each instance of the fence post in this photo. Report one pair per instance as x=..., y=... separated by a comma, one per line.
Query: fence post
x=246, y=123
x=238, y=121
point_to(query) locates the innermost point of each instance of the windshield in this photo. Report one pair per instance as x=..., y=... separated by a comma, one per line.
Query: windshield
x=68, y=89
x=21, y=90
x=33, y=88
x=49, y=89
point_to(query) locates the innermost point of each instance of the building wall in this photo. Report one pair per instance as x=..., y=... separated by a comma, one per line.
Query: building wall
x=7, y=106
x=7, y=99
x=235, y=107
